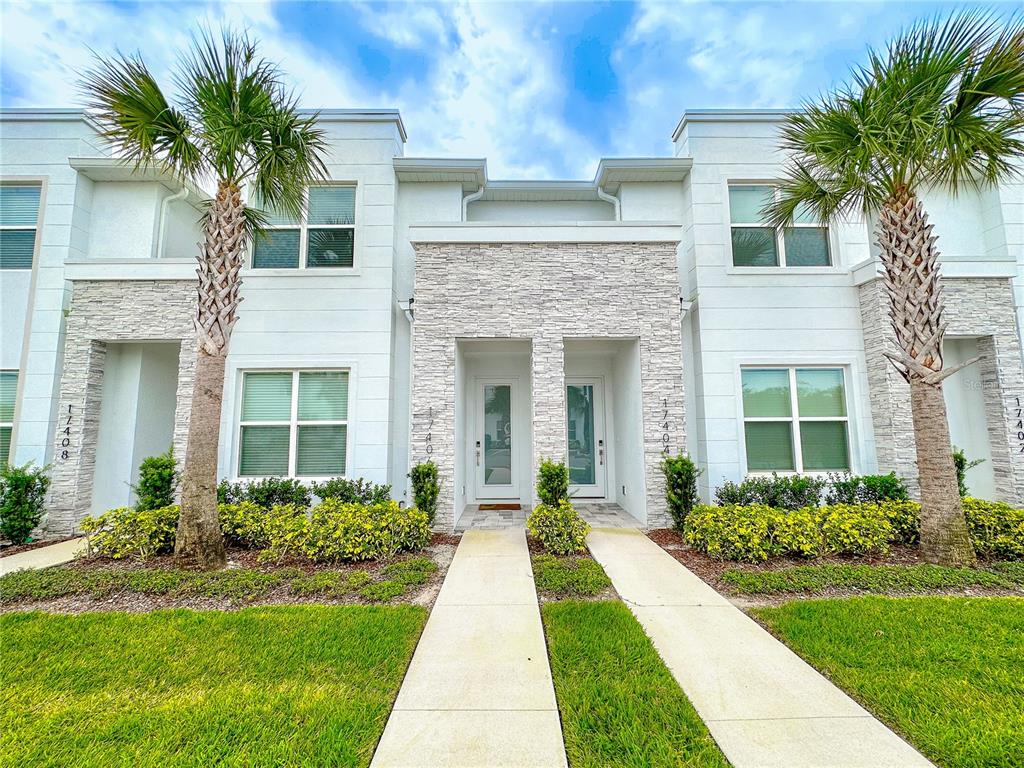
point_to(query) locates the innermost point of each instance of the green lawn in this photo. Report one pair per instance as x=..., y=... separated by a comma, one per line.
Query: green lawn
x=569, y=576
x=946, y=672
x=811, y=579
x=620, y=705
x=274, y=686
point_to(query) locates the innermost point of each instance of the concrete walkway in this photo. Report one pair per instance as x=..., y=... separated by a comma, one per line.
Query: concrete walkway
x=763, y=704
x=43, y=557
x=478, y=692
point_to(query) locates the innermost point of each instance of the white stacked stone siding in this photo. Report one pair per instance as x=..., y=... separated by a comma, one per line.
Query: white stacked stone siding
x=546, y=293
x=102, y=312
x=980, y=307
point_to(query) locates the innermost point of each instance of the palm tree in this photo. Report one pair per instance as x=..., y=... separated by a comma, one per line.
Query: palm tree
x=237, y=125
x=941, y=108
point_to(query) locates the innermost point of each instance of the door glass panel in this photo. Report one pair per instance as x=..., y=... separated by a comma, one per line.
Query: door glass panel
x=579, y=401
x=497, y=434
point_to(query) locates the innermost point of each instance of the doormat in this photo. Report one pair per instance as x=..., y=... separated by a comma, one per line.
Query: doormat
x=490, y=507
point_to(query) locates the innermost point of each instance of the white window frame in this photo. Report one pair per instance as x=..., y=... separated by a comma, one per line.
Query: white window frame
x=303, y=227
x=22, y=227
x=780, y=233
x=14, y=411
x=293, y=423
x=794, y=420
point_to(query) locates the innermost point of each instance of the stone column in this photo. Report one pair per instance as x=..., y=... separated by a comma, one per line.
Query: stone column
x=75, y=435
x=433, y=411
x=547, y=401
x=1002, y=381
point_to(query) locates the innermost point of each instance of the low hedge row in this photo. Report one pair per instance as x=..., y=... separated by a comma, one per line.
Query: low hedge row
x=332, y=532
x=758, y=532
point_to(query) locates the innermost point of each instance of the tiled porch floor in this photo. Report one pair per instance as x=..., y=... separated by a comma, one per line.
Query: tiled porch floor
x=598, y=514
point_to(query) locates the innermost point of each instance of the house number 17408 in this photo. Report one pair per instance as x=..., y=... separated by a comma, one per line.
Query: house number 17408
x=65, y=435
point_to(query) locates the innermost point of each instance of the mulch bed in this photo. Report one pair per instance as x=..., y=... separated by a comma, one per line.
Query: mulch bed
x=12, y=549
x=441, y=550
x=710, y=570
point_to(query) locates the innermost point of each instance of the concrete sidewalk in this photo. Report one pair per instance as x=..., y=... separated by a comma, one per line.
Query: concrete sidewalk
x=43, y=557
x=763, y=704
x=478, y=692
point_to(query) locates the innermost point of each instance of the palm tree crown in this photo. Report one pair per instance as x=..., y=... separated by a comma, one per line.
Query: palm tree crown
x=235, y=121
x=942, y=106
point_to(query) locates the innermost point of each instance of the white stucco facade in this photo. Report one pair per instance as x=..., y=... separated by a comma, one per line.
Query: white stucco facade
x=458, y=282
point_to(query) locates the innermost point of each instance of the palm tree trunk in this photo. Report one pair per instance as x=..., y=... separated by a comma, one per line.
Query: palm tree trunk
x=911, y=262
x=199, y=541
x=944, y=536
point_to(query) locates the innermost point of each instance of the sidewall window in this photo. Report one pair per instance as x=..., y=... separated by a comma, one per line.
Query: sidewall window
x=322, y=236
x=805, y=243
x=19, y=220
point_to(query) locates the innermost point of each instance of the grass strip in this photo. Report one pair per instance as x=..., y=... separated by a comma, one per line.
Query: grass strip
x=619, y=703
x=943, y=671
x=569, y=576
x=269, y=686
x=810, y=579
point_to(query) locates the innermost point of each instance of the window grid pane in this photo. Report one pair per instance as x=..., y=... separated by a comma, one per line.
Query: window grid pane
x=806, y=247
x=766, y=393
x=264, y=451
x=820, y=392
x=330, y=248
x=824, y=445
x=16, y=248
x=754, y=247
x=19, y=205
x=332, y=205
x=746, y=202
x=267, y=397
x=5, y=445
x=276, y=249
x=8, y=393
x=321, y=450
x=323, y=396
x=769, y=445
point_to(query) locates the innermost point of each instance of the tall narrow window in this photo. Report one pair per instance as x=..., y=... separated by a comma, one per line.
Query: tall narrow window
x=8, y=393
x=323, y=236
x=293, y=423
x=803, y=244
x=19, y=214
x=795, y=420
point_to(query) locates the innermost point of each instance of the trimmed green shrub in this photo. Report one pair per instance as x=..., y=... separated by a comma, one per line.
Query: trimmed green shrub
x=249, y=525
x=961, y=464
x=996, y=528
x=733, y=532
x=854, y=529
x=552, y=482
x=797, y=532
x=157, y=481
x=127, y=532
x=865, y=489
x=22, y=492
x=357, y=491
x=560, y=528
x=339, y=532
x=680, y=486
x=779, y=491
x=266, y=493
x=905, y=519
x=425, y=488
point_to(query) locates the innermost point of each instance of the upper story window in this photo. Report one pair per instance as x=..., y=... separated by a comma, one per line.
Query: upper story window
x=324, y=236
x=803, y=244
x=294, y=424
x=19, y=214
x=795, y=420
x=8, y=393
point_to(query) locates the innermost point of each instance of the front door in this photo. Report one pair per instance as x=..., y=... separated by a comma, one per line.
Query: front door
x=584, y=422
x=495, y=445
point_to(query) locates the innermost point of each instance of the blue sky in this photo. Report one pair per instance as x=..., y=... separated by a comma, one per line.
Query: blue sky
x=542, y=90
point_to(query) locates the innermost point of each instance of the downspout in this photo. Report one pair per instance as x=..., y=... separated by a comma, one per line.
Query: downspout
x=611, y=199
x=472, y=198
x=183, y=194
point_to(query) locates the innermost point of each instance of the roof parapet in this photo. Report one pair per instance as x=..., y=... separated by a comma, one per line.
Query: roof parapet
x=730, y=116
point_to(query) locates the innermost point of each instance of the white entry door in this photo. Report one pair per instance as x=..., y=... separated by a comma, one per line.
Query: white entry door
x=495, y=443
x=585, y=437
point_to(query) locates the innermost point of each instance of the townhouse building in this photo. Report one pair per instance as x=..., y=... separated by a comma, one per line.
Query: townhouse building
x=420, y=310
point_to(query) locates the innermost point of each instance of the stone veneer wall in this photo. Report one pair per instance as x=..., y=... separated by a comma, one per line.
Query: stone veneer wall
x=102, y=312
x=546, y=293
x=981, y=307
